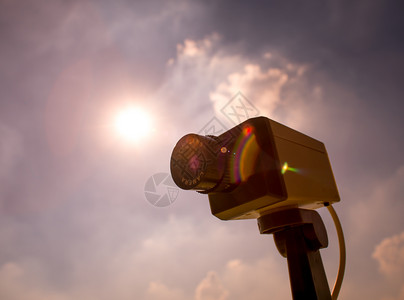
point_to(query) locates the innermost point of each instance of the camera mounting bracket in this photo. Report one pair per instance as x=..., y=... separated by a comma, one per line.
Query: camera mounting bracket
x=299, y=234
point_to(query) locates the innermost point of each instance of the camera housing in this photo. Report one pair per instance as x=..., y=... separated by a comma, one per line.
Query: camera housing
x=256, y=167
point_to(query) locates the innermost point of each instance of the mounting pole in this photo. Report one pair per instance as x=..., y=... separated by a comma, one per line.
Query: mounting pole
x=299, y=234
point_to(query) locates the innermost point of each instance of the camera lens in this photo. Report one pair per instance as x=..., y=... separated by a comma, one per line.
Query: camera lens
x=198, y=162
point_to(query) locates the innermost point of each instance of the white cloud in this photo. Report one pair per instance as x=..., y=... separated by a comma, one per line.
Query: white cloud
x=262, y=278
x=204, y=76
x=236, y=280
x=196, y=71
x=390, y=255
x=191, y=48
x=262, y=87
x=211, y=288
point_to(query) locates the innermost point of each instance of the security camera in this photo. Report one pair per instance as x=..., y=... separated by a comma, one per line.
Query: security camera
x=256, y=167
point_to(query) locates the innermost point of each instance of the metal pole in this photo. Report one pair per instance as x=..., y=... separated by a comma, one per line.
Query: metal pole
x=298, y=235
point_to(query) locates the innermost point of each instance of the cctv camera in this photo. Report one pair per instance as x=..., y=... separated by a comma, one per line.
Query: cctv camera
x=254, y=168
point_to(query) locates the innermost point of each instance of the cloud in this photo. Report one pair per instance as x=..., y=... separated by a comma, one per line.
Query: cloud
x=176, y=258
x=373, y=212
x=205, y=75
x=377, y=204
x=205, y=65
x=159, y=291
x=210, y=288
x=390, y=256
x=65, y=112
x=262, y=278
x=17, y=283
x=237, y=280
x=197, y=69
x=262, y=85
x=400, y=296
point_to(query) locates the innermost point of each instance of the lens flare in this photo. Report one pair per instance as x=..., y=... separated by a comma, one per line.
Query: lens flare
x=287, y=168
x=245, y=147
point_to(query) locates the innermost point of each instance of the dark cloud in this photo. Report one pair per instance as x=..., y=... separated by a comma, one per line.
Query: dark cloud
x=308, y=30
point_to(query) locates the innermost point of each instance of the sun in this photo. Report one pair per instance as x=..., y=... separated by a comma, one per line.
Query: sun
x=133, y=124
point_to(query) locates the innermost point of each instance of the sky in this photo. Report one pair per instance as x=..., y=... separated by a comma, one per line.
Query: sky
x=75, y=221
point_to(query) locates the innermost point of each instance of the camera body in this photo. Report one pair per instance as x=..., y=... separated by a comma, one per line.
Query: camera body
x=255, y=168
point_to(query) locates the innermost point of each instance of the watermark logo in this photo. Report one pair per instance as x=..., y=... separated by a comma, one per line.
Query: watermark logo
x=213, y=127
x=160, y=190
x=239, y=109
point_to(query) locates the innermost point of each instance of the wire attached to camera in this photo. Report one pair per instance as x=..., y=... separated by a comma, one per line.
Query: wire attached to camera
x=342, y=252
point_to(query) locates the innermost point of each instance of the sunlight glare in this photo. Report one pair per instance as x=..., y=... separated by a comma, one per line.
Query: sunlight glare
x=133, y=124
